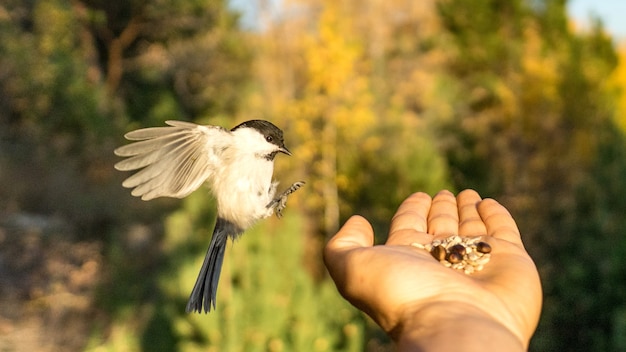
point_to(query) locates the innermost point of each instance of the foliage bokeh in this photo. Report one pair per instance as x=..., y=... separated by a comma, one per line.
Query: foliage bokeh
x=377, y=100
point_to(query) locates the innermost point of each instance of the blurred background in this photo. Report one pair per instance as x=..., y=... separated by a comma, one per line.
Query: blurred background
x=516, y=99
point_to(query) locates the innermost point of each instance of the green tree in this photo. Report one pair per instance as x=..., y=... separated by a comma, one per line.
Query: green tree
x=75, y=75
x=48, y=88
x=532, y=124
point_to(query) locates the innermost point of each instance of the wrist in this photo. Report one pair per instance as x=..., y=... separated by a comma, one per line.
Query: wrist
x=454, y=327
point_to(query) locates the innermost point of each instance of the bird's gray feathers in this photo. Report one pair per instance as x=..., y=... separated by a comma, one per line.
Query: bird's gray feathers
x=174, y=161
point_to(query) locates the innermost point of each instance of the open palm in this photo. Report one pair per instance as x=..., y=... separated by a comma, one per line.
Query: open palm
x=392, y=281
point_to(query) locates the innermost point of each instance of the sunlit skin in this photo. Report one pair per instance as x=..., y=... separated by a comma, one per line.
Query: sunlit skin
x=424, y=305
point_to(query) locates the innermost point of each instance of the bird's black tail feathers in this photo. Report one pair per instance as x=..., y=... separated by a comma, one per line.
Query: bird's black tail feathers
x=205, y=289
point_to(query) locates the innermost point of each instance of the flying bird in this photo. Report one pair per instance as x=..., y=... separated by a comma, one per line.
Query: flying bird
x=237, y=164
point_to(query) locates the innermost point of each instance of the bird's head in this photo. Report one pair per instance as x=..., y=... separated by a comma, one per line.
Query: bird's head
x=261, y=137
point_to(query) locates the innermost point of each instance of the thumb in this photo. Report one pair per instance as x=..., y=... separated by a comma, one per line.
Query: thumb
x=355, y=233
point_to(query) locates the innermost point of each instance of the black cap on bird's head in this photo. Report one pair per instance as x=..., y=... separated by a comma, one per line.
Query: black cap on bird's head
x=270, y=132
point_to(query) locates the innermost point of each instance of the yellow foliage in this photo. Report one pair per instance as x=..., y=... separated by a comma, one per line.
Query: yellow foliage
x=329, y=75
x=540, y=71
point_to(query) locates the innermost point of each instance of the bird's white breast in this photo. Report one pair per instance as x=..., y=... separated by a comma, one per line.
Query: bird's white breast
x=244, y=188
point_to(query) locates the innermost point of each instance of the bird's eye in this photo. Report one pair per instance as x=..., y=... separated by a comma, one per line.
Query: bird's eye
x=269, y=139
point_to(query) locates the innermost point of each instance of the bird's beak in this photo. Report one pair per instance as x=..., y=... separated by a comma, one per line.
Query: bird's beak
x=284, y=149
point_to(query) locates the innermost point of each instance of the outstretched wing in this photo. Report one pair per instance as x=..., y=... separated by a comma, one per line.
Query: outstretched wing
x=174, y=161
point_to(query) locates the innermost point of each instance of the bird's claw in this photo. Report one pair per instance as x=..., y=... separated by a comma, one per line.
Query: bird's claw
x=280, y=202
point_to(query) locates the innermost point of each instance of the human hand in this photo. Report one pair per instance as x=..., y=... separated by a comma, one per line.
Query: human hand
x=416, y=299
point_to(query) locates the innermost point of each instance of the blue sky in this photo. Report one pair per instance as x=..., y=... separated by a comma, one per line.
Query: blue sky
x=612, y=13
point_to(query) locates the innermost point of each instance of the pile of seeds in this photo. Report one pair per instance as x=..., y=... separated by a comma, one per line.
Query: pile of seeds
x=468, y=254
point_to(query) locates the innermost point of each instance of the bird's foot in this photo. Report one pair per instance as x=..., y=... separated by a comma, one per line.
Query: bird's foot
x=280, y=202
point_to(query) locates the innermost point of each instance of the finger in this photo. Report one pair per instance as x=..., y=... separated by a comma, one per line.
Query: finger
x=498, y=221
x=409, y=224
x=443, y=218
x=470, y=222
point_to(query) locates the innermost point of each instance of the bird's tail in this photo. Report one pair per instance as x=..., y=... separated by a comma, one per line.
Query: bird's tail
x=205, y=289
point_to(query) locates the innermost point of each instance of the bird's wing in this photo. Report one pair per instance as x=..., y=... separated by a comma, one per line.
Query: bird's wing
x=174, y=160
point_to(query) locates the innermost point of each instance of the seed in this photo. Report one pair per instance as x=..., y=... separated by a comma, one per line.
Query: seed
x=459, y=249
x=473, y=240
x=458, y=266
x=483, y=247
x=439, y=252
x=454, y=239
x=454, y=258
x=484, y=259
x=473, y=256
x=417, y=245
x=466, y=254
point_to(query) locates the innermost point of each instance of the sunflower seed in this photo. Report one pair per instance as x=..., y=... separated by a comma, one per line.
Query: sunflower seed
x=468, y=254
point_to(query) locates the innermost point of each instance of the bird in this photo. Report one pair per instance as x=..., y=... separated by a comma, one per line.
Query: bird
x=237, y=164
